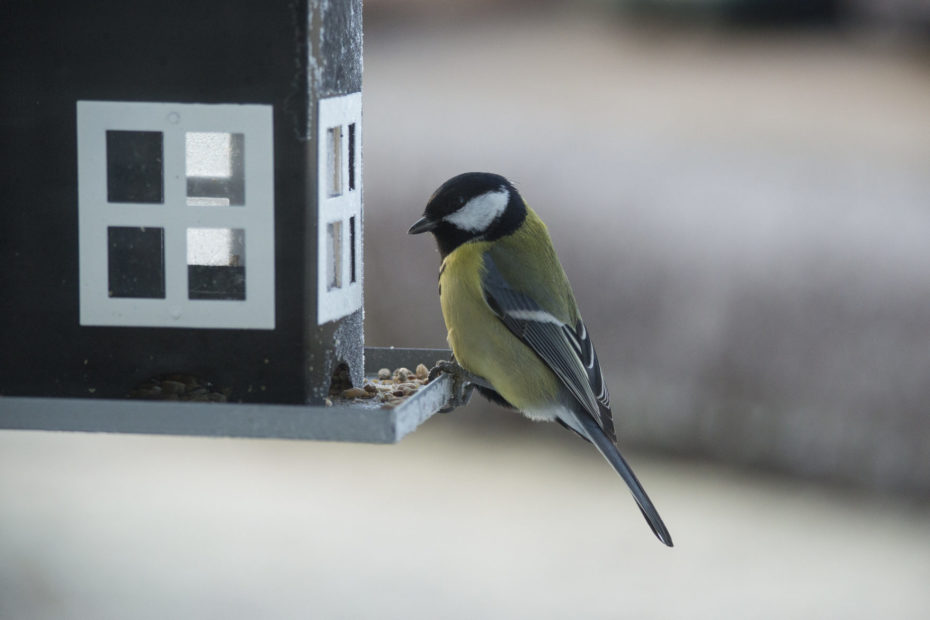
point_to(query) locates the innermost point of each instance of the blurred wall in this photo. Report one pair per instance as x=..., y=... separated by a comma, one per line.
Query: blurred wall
x=744, y=215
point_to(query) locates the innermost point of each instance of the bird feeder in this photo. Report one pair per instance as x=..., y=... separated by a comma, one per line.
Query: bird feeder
x=183, y=219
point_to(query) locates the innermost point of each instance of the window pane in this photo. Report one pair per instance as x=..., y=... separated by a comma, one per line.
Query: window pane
x=136, y=258
x=215, y=169
x=134, y=166
x=351, y=156
x=216, y=263
x=334, y=160
x=352, y=249
x=334, y=255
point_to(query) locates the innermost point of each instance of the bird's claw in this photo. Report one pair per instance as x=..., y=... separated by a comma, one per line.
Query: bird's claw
x=463, y=383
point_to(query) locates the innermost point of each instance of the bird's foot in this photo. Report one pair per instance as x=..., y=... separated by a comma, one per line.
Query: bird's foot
x=463, y=383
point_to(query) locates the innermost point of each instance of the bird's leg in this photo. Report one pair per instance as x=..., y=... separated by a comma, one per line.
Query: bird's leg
x=463, y=383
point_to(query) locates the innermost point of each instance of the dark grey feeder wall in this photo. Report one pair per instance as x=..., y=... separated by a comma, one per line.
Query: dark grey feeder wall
x=53, y=54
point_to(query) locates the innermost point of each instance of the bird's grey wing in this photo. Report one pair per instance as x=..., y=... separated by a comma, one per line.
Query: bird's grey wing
x=566, y=349
x=568, y=352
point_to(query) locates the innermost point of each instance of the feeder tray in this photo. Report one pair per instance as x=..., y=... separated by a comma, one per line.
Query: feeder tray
x=346, y=420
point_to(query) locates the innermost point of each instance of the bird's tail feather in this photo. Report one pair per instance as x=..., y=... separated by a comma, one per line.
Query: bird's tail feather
x=610, y=452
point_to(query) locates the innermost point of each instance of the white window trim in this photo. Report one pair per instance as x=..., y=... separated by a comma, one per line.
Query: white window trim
x=342, y=111
x=256, y=217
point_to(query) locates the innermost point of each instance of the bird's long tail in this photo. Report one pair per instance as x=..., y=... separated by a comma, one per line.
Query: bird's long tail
x=609, y=450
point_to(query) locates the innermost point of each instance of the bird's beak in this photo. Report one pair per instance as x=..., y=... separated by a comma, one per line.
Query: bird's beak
x=422, y=225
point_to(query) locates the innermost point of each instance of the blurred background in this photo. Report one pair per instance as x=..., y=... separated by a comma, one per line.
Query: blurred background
x=740, y=194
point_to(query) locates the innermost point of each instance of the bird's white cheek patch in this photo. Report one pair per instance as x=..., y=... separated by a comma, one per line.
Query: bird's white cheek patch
x=478, y=213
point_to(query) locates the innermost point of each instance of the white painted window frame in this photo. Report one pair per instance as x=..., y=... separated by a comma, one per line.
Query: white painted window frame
x=335, y=303
x=96, y=214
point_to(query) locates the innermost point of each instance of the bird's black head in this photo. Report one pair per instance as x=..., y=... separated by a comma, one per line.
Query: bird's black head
x=472, y=206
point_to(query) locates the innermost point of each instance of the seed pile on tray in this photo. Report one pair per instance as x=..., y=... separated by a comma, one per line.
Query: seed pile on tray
x=179, y=387
x=390, y=388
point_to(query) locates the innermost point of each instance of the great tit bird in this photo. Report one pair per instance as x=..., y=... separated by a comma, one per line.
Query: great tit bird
x=511, y=316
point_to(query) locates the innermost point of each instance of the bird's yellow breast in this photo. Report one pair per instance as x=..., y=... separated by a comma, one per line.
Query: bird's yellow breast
x=482, y=344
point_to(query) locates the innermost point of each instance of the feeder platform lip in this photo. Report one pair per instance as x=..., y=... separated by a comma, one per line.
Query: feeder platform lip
x=341, y=422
